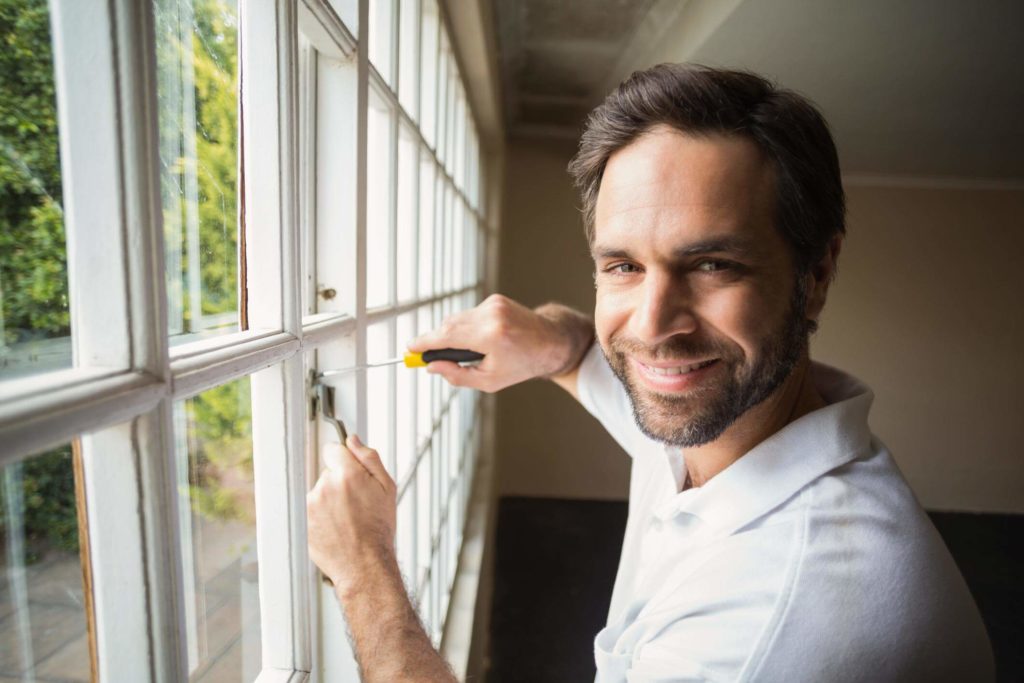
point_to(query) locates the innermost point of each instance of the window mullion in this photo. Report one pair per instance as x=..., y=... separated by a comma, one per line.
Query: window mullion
x=362, y=129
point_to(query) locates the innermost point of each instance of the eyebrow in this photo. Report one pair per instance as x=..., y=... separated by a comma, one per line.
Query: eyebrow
x=737, y=246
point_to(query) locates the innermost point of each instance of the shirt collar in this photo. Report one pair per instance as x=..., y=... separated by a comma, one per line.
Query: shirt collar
x=784, y=463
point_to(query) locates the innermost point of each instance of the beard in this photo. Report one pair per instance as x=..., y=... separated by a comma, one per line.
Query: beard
x=701, y=415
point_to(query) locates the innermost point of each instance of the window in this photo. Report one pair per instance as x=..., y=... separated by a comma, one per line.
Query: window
x=195, y=224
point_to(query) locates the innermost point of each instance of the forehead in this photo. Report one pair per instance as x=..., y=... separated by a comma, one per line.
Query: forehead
x=670, y=188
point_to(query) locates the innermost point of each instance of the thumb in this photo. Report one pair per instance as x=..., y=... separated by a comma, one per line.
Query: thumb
x=332, y=456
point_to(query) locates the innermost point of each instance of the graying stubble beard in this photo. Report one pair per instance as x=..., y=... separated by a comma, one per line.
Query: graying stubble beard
x=725, y=403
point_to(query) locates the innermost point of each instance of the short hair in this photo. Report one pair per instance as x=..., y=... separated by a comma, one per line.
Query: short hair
x=810, y=207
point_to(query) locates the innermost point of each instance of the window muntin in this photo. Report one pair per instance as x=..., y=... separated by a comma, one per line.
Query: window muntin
x=35, y=315
x=197, y=67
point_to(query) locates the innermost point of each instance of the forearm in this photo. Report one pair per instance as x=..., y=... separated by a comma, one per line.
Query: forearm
x=389, y=641
x=575, y=332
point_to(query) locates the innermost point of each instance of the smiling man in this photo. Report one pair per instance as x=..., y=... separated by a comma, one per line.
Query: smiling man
x=770, y=535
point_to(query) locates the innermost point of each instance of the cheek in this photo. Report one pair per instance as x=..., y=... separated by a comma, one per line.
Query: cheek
x=611, y=313
x=744, y=315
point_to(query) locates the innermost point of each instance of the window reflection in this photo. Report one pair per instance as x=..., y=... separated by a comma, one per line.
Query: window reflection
x=42, y=604
x=213, y=434
x=197, y=86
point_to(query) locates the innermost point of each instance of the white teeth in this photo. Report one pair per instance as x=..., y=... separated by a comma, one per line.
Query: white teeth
x=680, y=370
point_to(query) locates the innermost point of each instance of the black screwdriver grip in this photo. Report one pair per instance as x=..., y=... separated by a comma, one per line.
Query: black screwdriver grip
x=456, y=355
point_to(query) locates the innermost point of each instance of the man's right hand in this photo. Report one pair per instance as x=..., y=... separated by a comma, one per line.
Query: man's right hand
x=518, y=343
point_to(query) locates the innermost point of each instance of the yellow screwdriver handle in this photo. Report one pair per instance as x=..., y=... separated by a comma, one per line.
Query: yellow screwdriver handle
x=414, y=360
x=419, y=360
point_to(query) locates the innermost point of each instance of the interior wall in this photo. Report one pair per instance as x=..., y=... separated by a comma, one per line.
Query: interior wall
x=547, y=444
x=927, y=310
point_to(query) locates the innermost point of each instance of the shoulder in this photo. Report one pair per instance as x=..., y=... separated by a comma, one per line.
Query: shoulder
x=875, y=583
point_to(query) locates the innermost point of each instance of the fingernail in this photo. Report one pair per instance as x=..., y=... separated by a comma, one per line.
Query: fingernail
x=356, y=441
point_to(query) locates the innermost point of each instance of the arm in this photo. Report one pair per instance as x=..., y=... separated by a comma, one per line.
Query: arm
x=518, y=344
x=578, y=332
x=351, y=513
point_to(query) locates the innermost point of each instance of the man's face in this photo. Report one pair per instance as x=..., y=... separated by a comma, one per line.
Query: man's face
x=698, y=308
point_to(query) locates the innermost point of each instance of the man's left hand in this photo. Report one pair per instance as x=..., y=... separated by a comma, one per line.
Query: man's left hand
x=351, y=515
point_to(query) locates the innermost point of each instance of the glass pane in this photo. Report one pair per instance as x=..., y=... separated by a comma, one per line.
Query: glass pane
x=197, y=86
x=213, y=444
x=458, y=234
x=379, y=391
x=408, y=55
x=442, y=98
x=35, y=324
x=428, y=71
x=408, y=174
x=426, y=235
x=405, y=396
x=382, y=37
x=44, y=634
x=378, y=208
x=348, y=12
x=449, y=246
x=424, y=387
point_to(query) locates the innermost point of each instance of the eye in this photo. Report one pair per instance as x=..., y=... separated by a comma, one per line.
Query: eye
x=622, y=269
x=714, y=266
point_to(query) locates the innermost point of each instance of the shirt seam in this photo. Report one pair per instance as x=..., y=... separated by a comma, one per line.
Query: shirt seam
x=771, y=630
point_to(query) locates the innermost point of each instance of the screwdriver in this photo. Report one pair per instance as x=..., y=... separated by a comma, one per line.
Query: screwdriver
x=415, y=360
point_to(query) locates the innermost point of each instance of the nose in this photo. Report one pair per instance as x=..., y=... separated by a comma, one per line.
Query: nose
x=665, y=309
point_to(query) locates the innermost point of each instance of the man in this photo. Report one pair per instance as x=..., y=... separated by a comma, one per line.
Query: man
x=770, y=536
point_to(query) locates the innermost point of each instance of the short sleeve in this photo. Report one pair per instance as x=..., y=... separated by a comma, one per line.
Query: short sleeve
x=604, y=397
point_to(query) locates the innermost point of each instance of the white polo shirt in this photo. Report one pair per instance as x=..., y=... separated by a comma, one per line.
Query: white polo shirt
x=808, y=559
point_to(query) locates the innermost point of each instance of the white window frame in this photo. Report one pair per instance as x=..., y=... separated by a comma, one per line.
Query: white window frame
x=119, y=396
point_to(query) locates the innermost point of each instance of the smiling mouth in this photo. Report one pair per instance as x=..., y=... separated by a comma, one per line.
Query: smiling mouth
x=677, y=370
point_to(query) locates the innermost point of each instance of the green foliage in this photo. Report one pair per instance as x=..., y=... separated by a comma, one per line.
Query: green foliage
x=204, y=186
x=33, y=270
x=220, y=446
x=48, y=515
x=33, y=279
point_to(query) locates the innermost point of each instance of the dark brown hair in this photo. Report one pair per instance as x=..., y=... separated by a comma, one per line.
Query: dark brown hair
x=699, y=100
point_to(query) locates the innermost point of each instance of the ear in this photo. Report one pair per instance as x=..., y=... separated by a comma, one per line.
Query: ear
x=820, y=277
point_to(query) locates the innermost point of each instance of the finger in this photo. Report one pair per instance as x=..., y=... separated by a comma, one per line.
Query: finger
x=337, y=457
x=457, y=331
x=370, y=459
x=455, y=374
x=434, y=339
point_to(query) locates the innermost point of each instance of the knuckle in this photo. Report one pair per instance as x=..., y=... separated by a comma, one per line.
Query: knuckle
x=497, y=328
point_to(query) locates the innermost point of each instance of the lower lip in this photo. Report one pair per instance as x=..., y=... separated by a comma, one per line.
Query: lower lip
x=673, y=383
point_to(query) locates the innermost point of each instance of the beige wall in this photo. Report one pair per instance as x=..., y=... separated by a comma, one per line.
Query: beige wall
x=547, y=445
x=927, y=309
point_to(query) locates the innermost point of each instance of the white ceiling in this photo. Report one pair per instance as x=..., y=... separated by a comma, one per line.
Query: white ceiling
x=910, y=87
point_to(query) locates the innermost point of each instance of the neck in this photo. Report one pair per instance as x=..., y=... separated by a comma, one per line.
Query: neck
x=796, y=397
